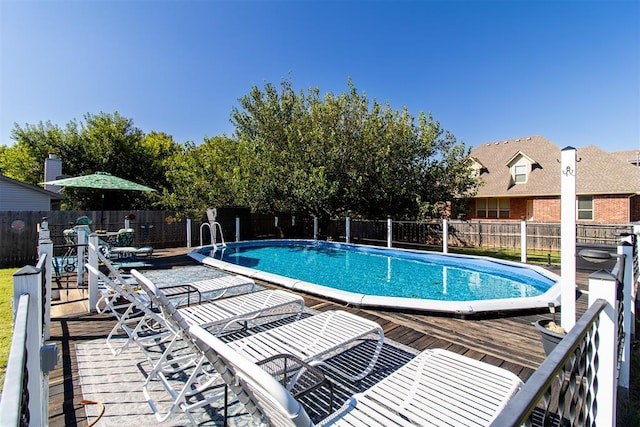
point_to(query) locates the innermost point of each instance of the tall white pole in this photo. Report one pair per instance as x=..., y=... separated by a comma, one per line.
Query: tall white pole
x=347, y=228
x=625, y=248
x=445, y=235
x=45, y=247
x=315, y=228
x=188, y=232
x=523, y=241
x=568, y=237
x=389, y=233
x=602, y=285
x=94, y=292
x=81, y=248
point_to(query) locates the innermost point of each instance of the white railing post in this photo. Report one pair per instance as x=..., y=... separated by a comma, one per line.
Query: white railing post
x=347, y=229
x=315, y=228
x=81, y=247
x=602, y=285
x=389, y=232
x=188, y=232
x=127, y=222
x=237, y=229
x=629, y=315
x=45, y=248
x=568, y=237
x=523, y=240
x=93, y=279
x=28, y=280
x=636, y=272
x=445, y=235
x=275, y=221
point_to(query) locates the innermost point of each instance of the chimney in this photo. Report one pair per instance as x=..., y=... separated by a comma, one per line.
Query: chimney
x=52, y=171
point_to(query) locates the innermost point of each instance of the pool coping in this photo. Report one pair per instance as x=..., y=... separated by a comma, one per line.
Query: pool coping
x=373, y=301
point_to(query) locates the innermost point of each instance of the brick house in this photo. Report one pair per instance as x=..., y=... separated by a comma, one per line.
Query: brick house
x=521, y=179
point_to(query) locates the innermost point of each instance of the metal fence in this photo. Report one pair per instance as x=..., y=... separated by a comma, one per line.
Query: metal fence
x=162, y=229
x=485, y=234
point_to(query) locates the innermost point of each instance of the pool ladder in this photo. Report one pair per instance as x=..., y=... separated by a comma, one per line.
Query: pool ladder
x=214, y=228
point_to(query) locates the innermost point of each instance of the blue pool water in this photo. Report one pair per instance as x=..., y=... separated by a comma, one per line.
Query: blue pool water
x=384, y=272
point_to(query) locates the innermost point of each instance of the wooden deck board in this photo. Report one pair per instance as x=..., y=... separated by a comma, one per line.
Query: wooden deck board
x=510, y=341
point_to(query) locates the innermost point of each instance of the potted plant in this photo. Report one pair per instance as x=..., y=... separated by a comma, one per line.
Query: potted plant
x=551, y=332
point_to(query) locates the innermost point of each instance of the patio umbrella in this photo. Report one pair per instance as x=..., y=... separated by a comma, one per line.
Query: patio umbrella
x=102, y=181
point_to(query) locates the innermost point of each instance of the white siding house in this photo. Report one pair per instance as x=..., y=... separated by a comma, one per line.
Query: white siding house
x=18, y=196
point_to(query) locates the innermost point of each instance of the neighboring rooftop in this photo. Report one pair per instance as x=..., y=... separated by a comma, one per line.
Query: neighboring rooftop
x=598, y=172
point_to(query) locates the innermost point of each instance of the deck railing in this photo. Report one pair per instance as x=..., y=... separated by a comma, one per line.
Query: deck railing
x=14, y=406
x=562, y=390
x=577, y=383
x=25, y=396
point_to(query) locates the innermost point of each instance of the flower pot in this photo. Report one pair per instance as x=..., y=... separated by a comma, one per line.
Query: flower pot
x=550, y=339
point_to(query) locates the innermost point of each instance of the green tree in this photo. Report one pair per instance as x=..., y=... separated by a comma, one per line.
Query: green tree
x=341, y=154
x=211, y=174
x=24, y=160
x=101, y=143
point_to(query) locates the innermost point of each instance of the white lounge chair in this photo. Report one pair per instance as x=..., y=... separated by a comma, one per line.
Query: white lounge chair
x=197, y=291
x=119, y=296
x=437, y=387
x=209, y=289
x=131, y=310
x=313, y=340
x=316, y=339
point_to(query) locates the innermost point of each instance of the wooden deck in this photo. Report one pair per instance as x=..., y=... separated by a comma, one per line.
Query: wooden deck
x=509, y=341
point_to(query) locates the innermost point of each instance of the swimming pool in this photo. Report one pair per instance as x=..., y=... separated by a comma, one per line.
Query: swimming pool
x=390, y=278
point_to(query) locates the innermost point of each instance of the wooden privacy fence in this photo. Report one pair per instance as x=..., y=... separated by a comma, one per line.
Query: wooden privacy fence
x=19, y=230
x=478, y=234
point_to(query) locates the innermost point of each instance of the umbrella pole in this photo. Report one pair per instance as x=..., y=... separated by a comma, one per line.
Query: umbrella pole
x=102, y=212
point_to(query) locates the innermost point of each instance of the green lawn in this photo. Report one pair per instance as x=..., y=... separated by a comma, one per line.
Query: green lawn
x=6, y=317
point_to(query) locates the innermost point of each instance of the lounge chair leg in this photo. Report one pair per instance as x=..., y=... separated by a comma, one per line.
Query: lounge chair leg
x=226, y=404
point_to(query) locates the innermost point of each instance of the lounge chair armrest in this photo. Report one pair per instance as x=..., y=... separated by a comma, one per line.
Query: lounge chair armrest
x=182, y=290
x=296, y=375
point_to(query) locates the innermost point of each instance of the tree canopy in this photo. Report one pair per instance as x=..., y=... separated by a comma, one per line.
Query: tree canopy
x=342, y=154
x=101, y=143
x=292, y=151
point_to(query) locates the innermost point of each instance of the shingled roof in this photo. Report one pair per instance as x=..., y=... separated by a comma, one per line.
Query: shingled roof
x=598, y=172
x=628, y=156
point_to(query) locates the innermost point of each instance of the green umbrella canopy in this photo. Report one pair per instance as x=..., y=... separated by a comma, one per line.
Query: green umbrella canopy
x=101, y=180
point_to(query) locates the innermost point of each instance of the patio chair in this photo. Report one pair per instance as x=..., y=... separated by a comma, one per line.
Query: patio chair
x=437, y=387
x=123, y=247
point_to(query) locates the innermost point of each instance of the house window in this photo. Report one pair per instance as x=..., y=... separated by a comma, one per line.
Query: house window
x=585, y=207
x=492, y=208
x=520, y=174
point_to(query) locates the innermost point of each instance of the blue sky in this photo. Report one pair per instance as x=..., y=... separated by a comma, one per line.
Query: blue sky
x=486, y=70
